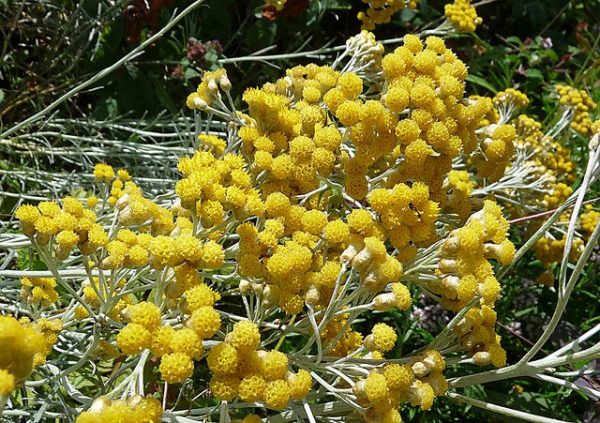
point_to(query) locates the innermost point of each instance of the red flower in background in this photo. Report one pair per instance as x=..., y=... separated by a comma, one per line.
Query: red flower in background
x=139, y=13
x=292, y=9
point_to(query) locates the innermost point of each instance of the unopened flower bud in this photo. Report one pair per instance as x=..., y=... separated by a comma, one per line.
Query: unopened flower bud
x=359, y=390
x=122, y=201
x=258, y=288
x=134, y=400
x=420, y=369
x=448, y=266
x=270, y=296
x=42, y=239
x=503, y=252
x=99, y=404
x=200, y=104
x=312, y=296
x=350, y=251
x=482, y=358
x=450, y=285
x=451, y=245
x=246, y=287
x=225, y=83
x=212, y=86
x=384, y=302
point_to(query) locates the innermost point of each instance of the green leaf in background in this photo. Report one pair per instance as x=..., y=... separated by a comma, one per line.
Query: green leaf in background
x=162, y=94
x=477, y=80
x=261, y=34
x=535, y=74
x=27, y=259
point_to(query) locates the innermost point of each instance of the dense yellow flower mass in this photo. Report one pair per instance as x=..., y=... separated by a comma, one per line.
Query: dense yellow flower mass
x=381, y=11
x=39, y=290
x=134, y=409
x=25, y=346
x=336, y=190
x=462, y=15
x=581, y=105
x=417, y=383
x=464, y=266
x=242, y=370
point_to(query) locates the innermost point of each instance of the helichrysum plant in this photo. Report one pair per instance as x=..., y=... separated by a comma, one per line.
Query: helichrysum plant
x=333, y=196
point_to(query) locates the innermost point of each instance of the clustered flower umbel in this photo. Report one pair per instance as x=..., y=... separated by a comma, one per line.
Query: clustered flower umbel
x=381, y=11
x=464, y=266
x=25, y=346
x=323, y=202
x=241, y=369
x=462, y=15
x=548, y=168
x=581, y=103
x=133, y=410
x=416, y=383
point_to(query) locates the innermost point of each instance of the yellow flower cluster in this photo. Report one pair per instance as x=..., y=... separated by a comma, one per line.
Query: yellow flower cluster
x=550, y=249
x=103, y=173
x=560, y=192
x=582, y=105
x=95, y=293
x=294, y=272
x=425, y=122
x=407, y=216
x=457, y=188
x=529, y=131
x=550, y=161
x=477, y=334
x=285, y=270
x=49, y=329
x=382, y=338
x=341, y=345
x=464, y=269
x=492, y=115
x=208, y=90
x=131, y=250
x=134, y=410
x=512, y=97
x=241, y=370
x=462, y=15
x=134, y=209
x=498, y=151
x=291, y=142
x=589, y=219
x=67, y=226
x=40, y=291
x=336, y=193
x=177, y=348
x=213, y=188
x=212, y=143
x=386, y=388
x=381, y=11
x=21, y=343
x=550, y=158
